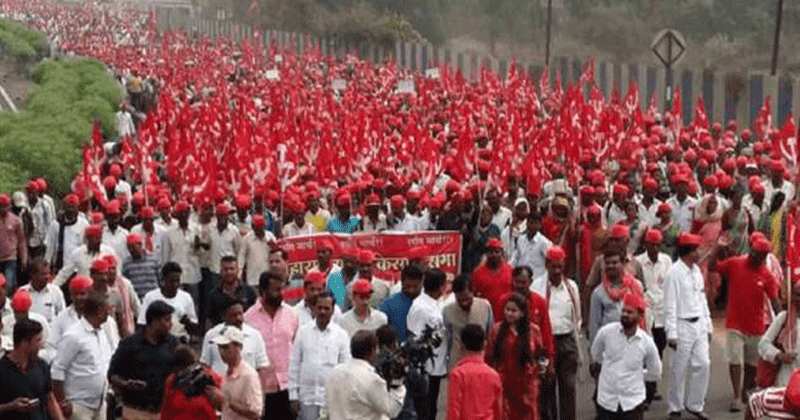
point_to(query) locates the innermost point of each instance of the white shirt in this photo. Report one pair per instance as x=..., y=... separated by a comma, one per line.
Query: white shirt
x=351, y=323
x=654, y=275
x=42, y=218
x=73, y=238
x=426, y=312
x=786, y=187
x=682, y=213
x=750, y=206
x=291, y=230
x=81, y=362
x=356, y=392
x=648, y=214
x=222, y=244
x=48, y=302
x=67, y=319
x=304, y=315
x=370, y=226
x=626, y=364
x=253, y=350
x=182, y=303
x=531, y=252
x=156, y=238
x=177, y=245
x=501, y=218
x=314, y=354
x=80, y=262
x=254, y=254
x=118, y=241
x=9, y=320
x=684, y=298
x=408, y=224
x=125, y=126
x=615, y=214
x=561, y=307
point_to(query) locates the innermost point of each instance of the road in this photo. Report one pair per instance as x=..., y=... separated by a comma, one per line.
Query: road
x=718, y=397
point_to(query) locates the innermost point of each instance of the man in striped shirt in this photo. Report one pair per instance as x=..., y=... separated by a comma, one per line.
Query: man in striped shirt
x=140, y=268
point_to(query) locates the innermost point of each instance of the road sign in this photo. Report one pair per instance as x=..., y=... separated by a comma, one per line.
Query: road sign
x=669, y=46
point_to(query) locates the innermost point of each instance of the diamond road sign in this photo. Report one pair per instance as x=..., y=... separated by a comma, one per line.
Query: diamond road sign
x=669, y=46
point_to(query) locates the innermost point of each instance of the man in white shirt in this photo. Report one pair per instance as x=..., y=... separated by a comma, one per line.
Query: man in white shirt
x=355, y=391
x=125, y=125
x=114, y=235
x=755, y=202
x=254, y=253
x=564, y=308
x=626, y=358
x=687, y=322
x=500, y=214
x=425, y=313
x=254, y=352
x=177, y=244
x=778, y=183
x=314, y=286
x=531, y=246
x=381, y=289
x=298, y=226
x=648, y=203
x=223, y=240
x=41, y=218
x=362, y=316
x=399, y=220
x=80, y=260
x=65, y=234
x=150, y=232
x=374, y=220
x=20, y=305
x=81, y=363
x=48, y=300
x=616, y=208
x=655, y=265
x=318, y=348
x=184, y=317
x=682, y=205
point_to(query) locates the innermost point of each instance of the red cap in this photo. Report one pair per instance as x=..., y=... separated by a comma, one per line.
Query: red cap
x=21, y=301
x=180, y=207
x=109, y=182
x=297, y=207
x=243, y=201
x=147, y=211
x=5, y=200
x=81, y=284
x=111, y=260
x=115, y=170
x=138, y=198
x=413, y=195
x=451, y=186
x=350, y=251
x=635, y=301
x=133, y=239
x=343, y=200
x=94, y=231
x=762, y=245
x=259, y=221
x=95, y=217
x=100, y=265
x=32, y=186
x=653, y=236
x=372, y=200
x=163, y=204
x=620, y=231
x=222, y=209
x=42, y=184
x=397, y=201
x=113, y=208
x=758, y=188
x=621, y=189
x=730, y=164
x=650, y=183
x=777, y=165
x=315, y=277
x=366, y=256
x=494, y=243
x=72, y=200
x=741, y=161
x=594, y=209
x=556, y=253
x=362, y=287
x=688, y=239
x=710, y=181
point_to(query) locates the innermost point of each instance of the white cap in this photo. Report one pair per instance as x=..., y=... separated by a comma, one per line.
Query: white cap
x=229, y=334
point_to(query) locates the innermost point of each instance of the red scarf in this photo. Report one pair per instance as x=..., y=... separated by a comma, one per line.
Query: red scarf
x=629, y=285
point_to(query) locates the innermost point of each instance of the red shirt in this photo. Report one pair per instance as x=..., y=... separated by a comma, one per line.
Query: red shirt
x=539, y=314
x=178, y=407
x=474, y=391
x=746, y=289
x=492, y=285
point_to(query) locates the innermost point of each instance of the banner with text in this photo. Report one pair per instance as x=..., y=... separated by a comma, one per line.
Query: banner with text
x=393, y=250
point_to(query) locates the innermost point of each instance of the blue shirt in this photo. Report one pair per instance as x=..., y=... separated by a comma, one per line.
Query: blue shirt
x=335, y=225
x=337, y=288
x=396, y=309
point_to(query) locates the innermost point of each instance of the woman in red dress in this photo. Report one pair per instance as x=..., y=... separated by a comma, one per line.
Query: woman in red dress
x=513, y=350
x=203, y=404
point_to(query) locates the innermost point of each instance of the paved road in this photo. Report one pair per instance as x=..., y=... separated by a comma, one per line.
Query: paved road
x=717, y=400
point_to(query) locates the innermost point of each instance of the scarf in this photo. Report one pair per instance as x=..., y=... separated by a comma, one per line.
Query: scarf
x=127, y=317
x=629, y=285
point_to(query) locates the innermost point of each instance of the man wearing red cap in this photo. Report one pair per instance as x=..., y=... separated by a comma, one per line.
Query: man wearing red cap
x=381, y=289
x=242, y=218
x=80, y=260
x=362, y=316
x=618, y=238
x=254, y=253
x=564, y=309
x=41, y=219
x=316, y=215
x=648, y=203
x=751, y=287
x=140, y=267
x=655, y=265
x=224, y=239
x=150, y=233
x=13, y=244
x=298, y=226
x=164, y=221
x=682, y=204
x=48, y=299
x=606, y=298
x=177, y=245
x=492, y=278
x=625, y=358
x=754, y=202
x=687, y=322
x=79, y=288
x=374, y=220
x=314, y=285
x=500, y=214
x=21, y=304
x=399, y=220
x=114, y=235
x=343, y=222
x=778, y=183
x=615, y=211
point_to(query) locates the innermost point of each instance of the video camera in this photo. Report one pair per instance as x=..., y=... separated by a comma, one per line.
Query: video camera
x=414, y=353
x=193, y=380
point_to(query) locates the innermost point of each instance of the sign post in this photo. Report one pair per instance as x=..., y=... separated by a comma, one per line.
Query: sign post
x=669, y=46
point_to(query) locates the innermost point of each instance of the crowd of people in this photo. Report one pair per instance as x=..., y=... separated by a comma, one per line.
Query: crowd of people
x=594, y=237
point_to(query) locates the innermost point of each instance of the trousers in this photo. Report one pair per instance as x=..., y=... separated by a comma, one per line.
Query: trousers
x=689, y=368
x=82, y=412
x=566, y=368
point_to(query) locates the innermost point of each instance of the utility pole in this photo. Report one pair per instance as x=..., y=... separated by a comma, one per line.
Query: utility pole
x=549, y=24
x=776, y=44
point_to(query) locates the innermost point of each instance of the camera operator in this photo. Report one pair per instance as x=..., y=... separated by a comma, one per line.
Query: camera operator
x=366, y=395
x=192, y=392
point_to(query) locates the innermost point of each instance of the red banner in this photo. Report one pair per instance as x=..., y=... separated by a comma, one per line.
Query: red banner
x=441, y=250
